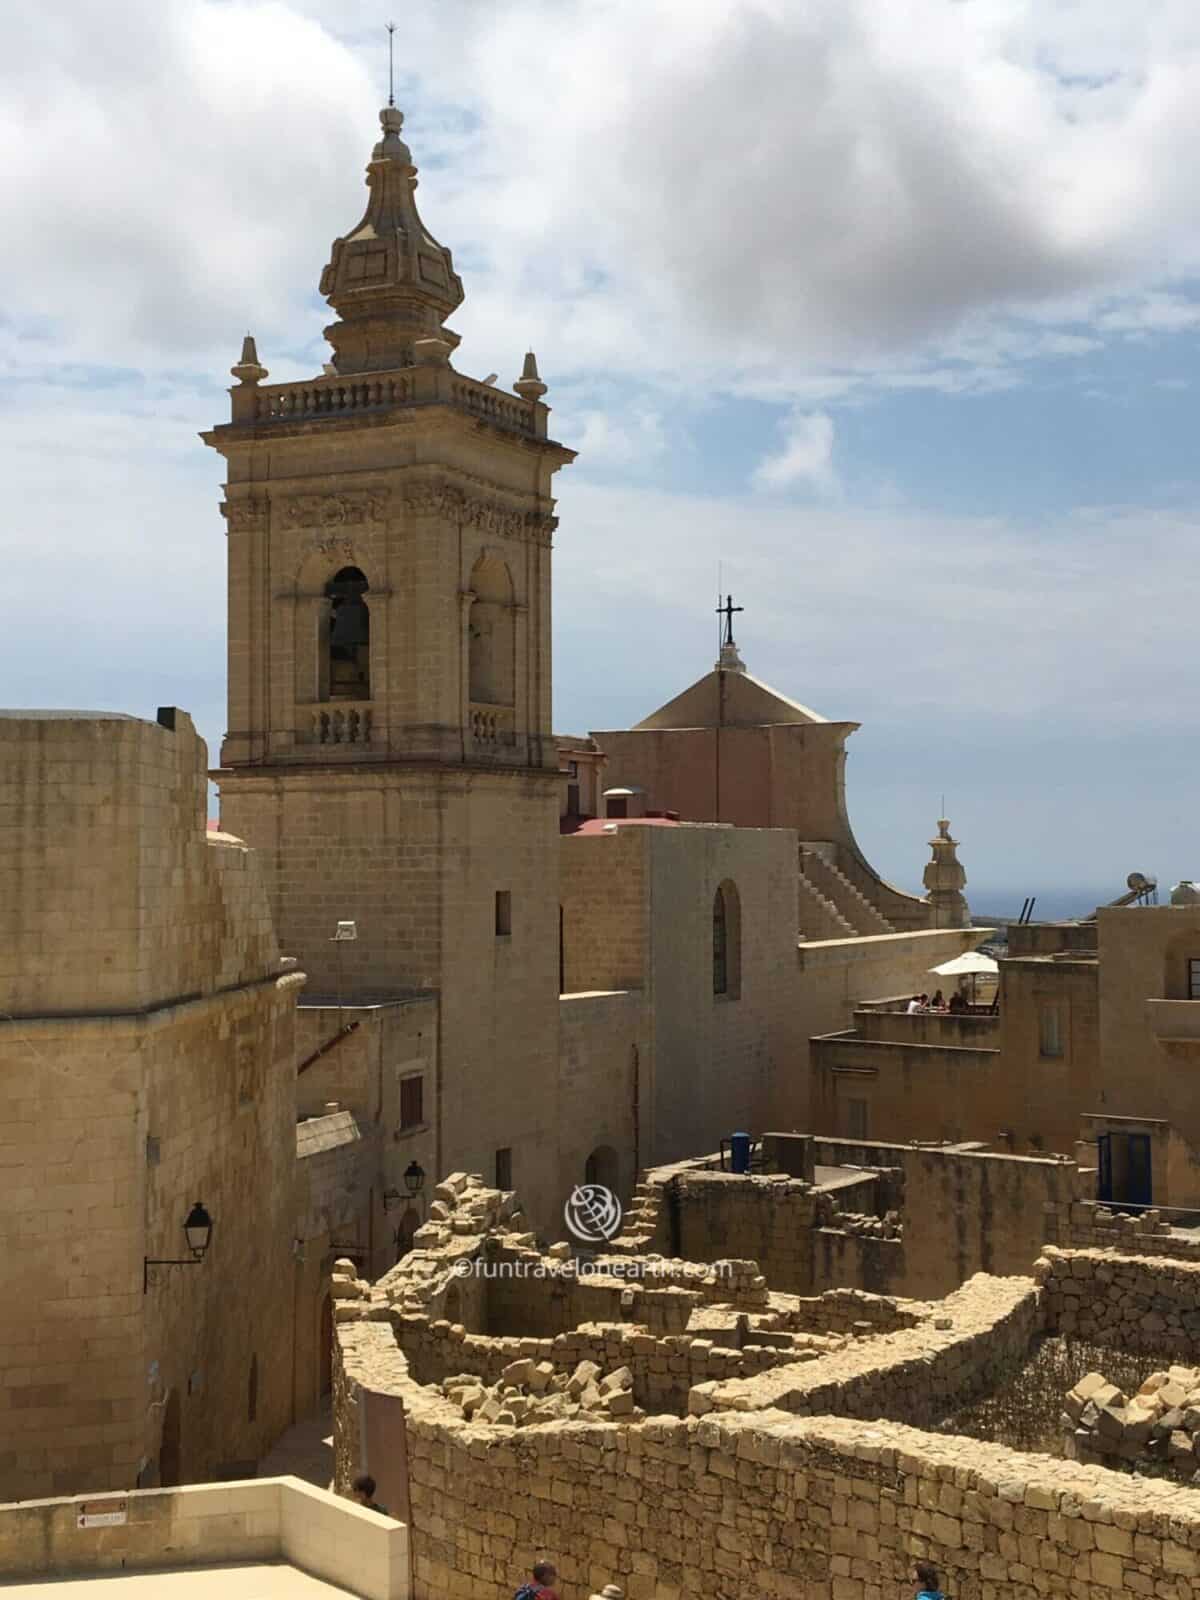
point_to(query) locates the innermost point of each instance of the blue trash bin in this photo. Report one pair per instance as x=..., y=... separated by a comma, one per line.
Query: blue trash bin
x=739, y=1152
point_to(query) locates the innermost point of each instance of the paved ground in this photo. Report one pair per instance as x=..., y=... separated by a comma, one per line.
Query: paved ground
x=305, y=1451
x=268, y=1581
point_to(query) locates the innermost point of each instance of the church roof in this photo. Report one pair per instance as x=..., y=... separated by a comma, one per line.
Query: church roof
x=728, y=698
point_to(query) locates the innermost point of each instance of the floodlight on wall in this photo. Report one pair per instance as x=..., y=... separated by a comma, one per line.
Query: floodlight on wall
x=197, y=1230
x=345, y=930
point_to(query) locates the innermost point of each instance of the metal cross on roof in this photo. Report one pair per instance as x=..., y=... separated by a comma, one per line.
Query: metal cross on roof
x=727, y=611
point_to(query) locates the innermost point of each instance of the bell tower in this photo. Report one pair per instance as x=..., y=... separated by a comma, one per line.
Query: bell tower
x=388, y=745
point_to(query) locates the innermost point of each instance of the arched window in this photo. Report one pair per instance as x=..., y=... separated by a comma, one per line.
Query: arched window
x=348, y=657
x=727, y=942
x=492, y=640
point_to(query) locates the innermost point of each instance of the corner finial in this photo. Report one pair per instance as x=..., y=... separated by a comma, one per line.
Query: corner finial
x=249, y=369
x=529, y=386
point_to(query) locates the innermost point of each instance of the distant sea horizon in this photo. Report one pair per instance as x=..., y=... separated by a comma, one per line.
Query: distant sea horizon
x=1053, y=905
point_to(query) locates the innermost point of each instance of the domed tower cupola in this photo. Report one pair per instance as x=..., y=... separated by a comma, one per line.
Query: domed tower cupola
x=390, y=281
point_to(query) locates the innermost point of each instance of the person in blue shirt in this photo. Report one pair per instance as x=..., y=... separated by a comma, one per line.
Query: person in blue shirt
x=927, y=1579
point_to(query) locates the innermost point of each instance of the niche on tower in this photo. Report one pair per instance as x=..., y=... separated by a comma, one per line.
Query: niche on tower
x=345, y=645
x=491, y=631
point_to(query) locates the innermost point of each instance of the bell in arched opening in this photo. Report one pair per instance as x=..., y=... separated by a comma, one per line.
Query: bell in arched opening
x=349, y=636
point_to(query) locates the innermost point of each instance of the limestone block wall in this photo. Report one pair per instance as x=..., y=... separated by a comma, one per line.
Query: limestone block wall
x=905, y=1091
x=1042, y=1096
x=605, y=1086
x=158, y=1070
x=416, y=856
x=664, y=1369
x=602, y=890
x=835, y=976
x=979, y=1335
x=763, y=1502
x=218, y=1098
x=964, y=1211
x=715, y=1056
x=1129, y=1302
x=102, y=832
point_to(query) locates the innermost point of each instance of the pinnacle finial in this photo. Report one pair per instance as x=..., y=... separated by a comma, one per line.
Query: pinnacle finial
x=249, y=369
x=529, y=385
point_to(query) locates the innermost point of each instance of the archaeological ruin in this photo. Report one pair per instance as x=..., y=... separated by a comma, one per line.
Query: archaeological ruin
x=685, y=1428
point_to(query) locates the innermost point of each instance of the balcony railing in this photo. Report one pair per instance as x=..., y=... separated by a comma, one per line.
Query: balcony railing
x=335, y=396
x=483, y=401
x=324, y=397
x=491, y=726
x=341, y=722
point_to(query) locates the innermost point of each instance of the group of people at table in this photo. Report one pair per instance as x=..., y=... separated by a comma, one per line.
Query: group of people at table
x=922, y=1002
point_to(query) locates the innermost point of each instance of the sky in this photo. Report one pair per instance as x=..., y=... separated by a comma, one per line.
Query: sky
x=886, y=316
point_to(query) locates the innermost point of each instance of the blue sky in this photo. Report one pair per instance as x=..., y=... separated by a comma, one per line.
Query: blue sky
x=892, y=312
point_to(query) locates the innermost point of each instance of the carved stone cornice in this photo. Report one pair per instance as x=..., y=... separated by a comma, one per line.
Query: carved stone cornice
x=488, y=515
x=334, y=510
x=246, y=516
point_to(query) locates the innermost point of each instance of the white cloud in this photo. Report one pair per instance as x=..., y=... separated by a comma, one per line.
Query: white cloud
x=753, y=186
x=805, y=458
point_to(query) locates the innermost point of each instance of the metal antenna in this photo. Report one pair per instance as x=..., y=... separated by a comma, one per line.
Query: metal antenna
x=391, y=33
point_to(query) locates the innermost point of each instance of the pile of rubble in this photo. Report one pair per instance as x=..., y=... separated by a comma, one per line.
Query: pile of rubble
x=1161, y=1423
x=532, y=1391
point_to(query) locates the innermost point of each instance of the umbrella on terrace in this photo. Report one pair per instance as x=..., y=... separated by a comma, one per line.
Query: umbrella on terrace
x=971, y=963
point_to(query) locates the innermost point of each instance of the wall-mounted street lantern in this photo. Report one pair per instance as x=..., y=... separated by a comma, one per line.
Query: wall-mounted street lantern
x=414, y=1182
x=197, y=1230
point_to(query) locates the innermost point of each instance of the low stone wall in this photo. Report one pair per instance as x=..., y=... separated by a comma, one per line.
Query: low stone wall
x=981, y=1335
x=736, y=1504
x=1091, y=1225
x=260, y=1520
x=1131, y=1302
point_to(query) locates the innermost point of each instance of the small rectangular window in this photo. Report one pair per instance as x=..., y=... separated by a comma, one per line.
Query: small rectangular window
x=412, y=1101
x=856, y=1119
x=503, y=913
x=504, y=1169
x=573, y=769
x=1194, y=979
x=1051, y=1031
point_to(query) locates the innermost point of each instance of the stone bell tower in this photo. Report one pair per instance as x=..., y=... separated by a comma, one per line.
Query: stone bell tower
x=389, y=743
x=945, y=879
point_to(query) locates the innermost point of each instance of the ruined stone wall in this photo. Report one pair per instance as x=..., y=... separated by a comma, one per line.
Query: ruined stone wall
x=763, y=1503
x=804, y=1480
x=1130, y=1302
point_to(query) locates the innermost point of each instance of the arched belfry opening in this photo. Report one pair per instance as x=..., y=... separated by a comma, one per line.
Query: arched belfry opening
x=347, y=642
x=492, y=635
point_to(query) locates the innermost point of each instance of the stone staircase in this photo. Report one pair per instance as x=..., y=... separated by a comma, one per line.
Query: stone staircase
x=834, y=886
x=819, y=917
